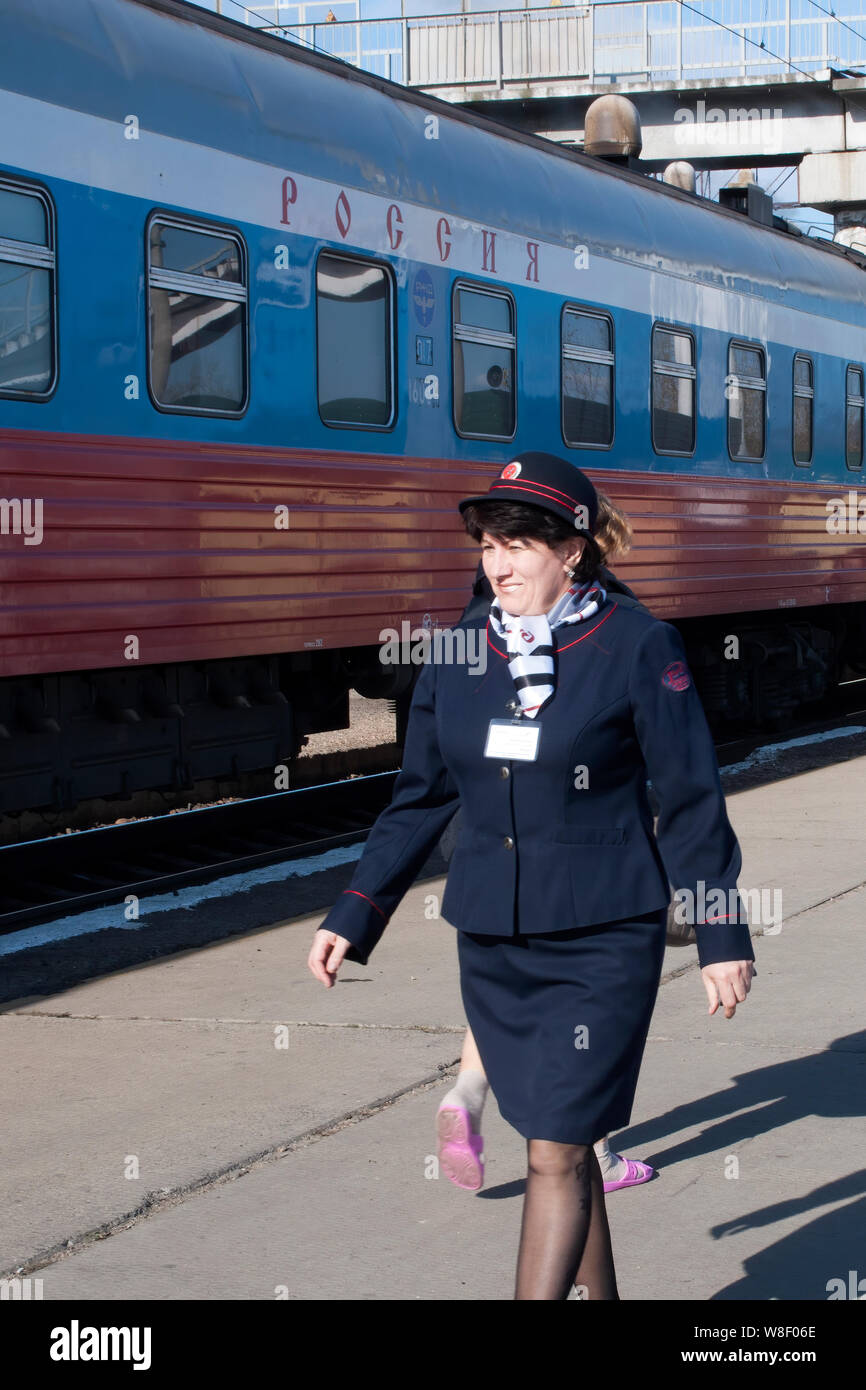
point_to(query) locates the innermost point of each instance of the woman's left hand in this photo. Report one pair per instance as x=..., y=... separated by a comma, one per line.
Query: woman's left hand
x=727, y=983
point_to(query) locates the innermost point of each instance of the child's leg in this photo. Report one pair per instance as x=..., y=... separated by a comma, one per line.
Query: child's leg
x=458, y=1121
x=613, y=1165
x=470, y=1090
x=626, y=1172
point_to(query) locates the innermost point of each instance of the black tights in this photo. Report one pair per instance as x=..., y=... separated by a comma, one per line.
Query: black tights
x=564, y=1235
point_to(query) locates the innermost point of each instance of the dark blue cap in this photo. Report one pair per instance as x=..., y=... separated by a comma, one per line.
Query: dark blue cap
x=545, y=480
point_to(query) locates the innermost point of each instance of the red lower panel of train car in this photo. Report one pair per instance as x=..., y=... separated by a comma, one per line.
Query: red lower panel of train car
x=172, y=610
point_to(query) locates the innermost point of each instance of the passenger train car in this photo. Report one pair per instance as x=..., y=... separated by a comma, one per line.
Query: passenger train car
x=264, y=318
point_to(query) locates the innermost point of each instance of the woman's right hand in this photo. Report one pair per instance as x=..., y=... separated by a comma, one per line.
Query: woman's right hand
x=326, y=956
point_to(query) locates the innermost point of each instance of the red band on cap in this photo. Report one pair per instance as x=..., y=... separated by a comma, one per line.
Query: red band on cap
x=547, y=493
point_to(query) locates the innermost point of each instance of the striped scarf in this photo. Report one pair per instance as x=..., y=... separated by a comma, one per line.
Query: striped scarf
x=530, y=644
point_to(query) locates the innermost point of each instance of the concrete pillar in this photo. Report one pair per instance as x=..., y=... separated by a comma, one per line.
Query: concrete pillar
x=835, y=182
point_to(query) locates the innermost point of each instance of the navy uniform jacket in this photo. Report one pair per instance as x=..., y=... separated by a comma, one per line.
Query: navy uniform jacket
x=567, y=840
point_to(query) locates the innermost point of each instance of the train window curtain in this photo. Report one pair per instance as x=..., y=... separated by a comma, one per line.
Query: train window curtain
x=804, y=393
x=587, y=379
x=746, y=390
x=674, y=378
x=27, y=352
x=197, y=318
x=484, y=363
x=854, y=404
x=355, y=341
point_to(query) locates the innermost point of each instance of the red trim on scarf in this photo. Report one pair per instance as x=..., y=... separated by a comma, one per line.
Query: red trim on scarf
x=601, y=621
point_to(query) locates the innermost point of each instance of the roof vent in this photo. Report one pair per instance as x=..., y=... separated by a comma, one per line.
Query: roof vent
x=612, y=130
x=743, y=195
x=681, y=174
x=850, y=230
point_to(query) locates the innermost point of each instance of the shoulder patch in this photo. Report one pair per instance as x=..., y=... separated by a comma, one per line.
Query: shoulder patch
x=676, y=676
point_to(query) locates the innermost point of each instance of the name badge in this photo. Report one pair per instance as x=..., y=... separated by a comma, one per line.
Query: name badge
x=513, y=738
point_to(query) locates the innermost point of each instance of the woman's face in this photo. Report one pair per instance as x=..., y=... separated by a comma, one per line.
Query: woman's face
x=526, y=575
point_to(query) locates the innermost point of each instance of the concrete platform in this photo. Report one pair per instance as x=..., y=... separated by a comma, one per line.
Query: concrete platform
x=304, y=1170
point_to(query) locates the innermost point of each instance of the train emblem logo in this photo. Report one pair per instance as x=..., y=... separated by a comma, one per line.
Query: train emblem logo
x=676, y=677
x=423, y=298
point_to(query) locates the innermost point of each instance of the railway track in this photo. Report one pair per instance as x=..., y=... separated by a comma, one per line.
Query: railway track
x=41, y=879
x=46, y=878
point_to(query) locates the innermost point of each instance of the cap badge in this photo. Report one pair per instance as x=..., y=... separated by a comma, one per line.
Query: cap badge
x=511, y=470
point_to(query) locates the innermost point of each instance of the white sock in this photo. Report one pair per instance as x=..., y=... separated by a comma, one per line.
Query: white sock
x=612, y=1165
x=470, y=1092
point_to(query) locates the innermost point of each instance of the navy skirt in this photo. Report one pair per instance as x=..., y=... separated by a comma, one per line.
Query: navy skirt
x=561, y=1020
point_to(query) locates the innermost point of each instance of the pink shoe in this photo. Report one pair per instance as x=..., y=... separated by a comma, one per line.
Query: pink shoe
x=636, y=1172
x=459, y=1149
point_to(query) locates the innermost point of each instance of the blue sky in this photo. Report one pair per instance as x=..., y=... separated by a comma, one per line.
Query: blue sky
x=727, y=10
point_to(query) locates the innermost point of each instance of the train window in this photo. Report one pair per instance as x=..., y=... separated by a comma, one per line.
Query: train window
x=197, y=318
x=587, y=360
x=354, y=314
x=27, y=336
x=673, y=391
x=854, y=404
x=483, y=362
x=746, y=390
x=803, y=403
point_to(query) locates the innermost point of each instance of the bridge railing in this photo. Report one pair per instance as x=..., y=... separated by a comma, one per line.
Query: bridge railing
x=637, y=39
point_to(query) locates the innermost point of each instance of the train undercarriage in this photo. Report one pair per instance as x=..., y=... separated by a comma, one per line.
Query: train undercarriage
x=68, y=739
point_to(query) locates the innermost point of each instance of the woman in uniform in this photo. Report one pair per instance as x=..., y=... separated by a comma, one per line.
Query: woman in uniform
x=558, y=885
x=459, y=1144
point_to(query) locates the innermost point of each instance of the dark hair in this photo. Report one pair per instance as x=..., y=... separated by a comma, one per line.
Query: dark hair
x=521, y=520
x=513, y=520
